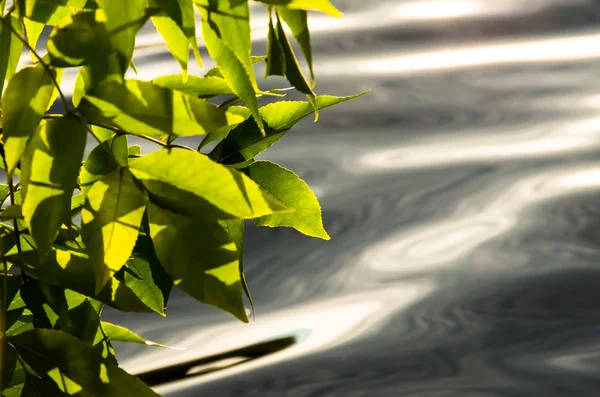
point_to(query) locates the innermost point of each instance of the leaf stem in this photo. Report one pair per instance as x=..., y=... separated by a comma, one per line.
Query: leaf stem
x=145, y=137
x=40, y=60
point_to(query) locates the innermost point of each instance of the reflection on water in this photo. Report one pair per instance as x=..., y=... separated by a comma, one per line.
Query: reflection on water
x=462, y=196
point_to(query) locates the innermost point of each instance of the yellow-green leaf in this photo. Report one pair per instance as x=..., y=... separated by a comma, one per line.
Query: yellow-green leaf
x=292, y=191
x=34, y=30
x=48, y=176
x=118, y=333
x=200, y=258
x=140, y=107
x=111, y=217
x=24, y=103
x=324, y=6
x=10, y=48
x=275, y=55
x=298, y=24
x=203, y=87
x=188, y=182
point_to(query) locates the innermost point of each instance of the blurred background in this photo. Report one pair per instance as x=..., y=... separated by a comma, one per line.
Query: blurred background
x=462, y=196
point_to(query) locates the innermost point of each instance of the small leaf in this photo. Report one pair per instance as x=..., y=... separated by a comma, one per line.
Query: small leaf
x=78, y=40
x=48, y=177
x=199, y=257
x=134, y=151
x=324, y=6
x=118, y=333
x=235, y=230
x=99, y=163
x=215, y=72
x=24, y=103
x=13, y=211
x=49, y=12
x=226, y=32
x=188, y=182
x=224, y=131
x=111, y=218
x=34, y=30
x=10, y=48
x=292, y=191
x=275, y=54
x=70, y=365
x=142, y=108
x=245, y=141
x=203, y=87
x=298, y=24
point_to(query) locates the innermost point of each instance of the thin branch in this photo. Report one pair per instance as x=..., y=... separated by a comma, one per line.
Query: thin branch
x=11, y=192
x=3, y=313
x=40, y=60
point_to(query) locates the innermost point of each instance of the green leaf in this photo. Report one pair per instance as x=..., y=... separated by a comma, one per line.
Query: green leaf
x=10, y=49
x=74, y=271
x=111, y=217
x=226, y=32
x=199, y=257
x=134, y=151
x=204, y=87
x=49, y=12
x=48, y=177
x=11, y=375
x=147, y=279
x=123, y=20
x=24, y=102
x=118, y=333
x=224, y=131
x=78, y=40
x=324, y=6
x=99, y=163
x=292, y=191
x=34, y=30
x=298, y=24
x=275, y=55
x=13, y=211
x=246, y=141
x=235, y=230
x=142, y=108
x=188, y=182
x=72, y=366
x=177, y=25
x=215, y=72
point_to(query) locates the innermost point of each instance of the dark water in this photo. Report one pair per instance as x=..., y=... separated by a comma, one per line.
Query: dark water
x=463, y=200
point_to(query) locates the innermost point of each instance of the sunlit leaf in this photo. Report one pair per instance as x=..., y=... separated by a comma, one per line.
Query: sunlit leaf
x=223, y=131
x=34, y=30
x=215, y=72
x=49, y=175
x=177, y=25
x=140, y=107
x=298, y=24
x=25, y=100
x=199, y=257
x=292, y=191
x=203, y=87
x=226, y=32
x=188, y=182
x=48, y=12
x=246, y=141
x=13, y=211
x=10, y=48
x=111, y=218
x=73, y=365
x=324, y=6
x=118, y=333
x=102, y=160
x=78, y=40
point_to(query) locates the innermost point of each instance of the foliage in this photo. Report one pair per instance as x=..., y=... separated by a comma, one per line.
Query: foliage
x=81, y=229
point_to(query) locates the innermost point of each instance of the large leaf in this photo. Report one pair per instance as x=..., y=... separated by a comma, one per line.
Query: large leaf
x=292, y=191
x=48, y=177
x=200, y=257
x=10, y=48
x=48, y=12
x=123, y=20
x=25, y=100
x=226, y=32
x=190, y=183
x=78, y=40
x=177, y=25
x=74, y=271
x=69, y=366
x=324, y=6
x=140, y=107
x=298, y=24
x=246, y=141
x=111, y=217
x=203, y=87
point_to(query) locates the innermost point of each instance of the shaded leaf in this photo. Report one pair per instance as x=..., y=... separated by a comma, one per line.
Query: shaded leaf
x=235, y=230
x=298, y=24
x=111, y=218
x=49, y=12
x=13, y=211
x=224, y=131
x=275, y=54
x=198, y=86
x=226, y=32
x=245, y=141
x=199, y=257
x=74, y=366
x=188, y=182
x=25, y=100
x=292, y=191
x=140, y=107
x=78, y=40
x=99, y=163
x=10, y=48
x=49, y=175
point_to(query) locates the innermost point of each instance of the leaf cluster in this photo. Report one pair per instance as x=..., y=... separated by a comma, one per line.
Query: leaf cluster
x=81, y=229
